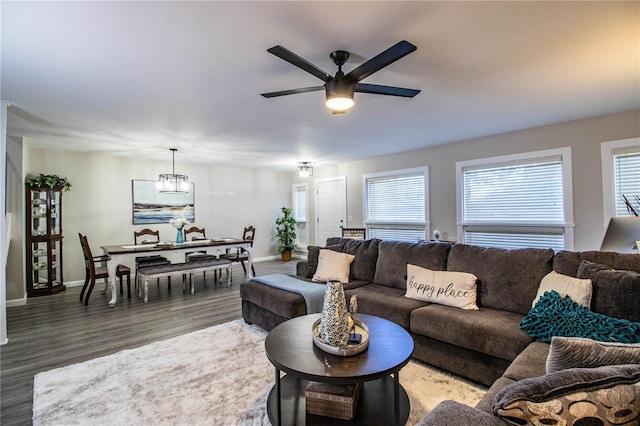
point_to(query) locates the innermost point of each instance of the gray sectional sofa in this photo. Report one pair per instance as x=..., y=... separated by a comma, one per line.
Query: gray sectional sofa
x=485, y=345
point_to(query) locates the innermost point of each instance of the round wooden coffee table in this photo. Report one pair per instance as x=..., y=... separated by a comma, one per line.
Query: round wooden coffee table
x=290, y=349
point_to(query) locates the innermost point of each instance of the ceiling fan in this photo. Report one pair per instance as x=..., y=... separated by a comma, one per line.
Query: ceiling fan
x=340, y=88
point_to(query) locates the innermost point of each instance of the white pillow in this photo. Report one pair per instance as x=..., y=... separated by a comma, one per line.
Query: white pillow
x=333, y=265
x=457, y=289
x=578, y=290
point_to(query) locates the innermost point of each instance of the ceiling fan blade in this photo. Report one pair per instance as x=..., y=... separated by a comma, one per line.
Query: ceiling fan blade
x=386, y=90
x=380, y=61
x=296, y=60
x=292, y=91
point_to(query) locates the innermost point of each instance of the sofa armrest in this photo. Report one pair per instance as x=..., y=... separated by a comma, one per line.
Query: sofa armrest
x=454, y=413
x=301, y=268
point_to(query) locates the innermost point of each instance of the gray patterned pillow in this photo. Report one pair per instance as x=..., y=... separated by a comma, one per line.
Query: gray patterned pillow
x=578, y=396
x=578, y=352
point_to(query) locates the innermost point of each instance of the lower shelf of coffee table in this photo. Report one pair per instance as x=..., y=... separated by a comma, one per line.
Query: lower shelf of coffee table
x=375, y=405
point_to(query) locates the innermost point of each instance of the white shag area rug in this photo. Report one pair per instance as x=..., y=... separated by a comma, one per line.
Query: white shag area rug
x=216, y=376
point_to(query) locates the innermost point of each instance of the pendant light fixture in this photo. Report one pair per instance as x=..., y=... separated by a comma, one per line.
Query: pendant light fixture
x=305, y=168
x=173, y=183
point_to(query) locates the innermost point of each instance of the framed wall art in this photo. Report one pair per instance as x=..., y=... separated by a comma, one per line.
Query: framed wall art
x=150, y=206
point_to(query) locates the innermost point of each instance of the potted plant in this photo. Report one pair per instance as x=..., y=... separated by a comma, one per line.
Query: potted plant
x=52, y=181
x=286, y=233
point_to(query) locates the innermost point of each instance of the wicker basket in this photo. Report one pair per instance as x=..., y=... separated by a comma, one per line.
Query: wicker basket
x=338, y=401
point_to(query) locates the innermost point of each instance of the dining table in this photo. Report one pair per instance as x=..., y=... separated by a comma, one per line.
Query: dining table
x=118, y=253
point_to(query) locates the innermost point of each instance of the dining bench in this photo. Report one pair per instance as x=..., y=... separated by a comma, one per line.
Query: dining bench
x=191, y=268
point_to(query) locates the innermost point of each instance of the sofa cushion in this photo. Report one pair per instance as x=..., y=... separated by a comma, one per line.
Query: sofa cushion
x=555, y=315
x=615, y=293
x=455, y=413
x=457, y=289
x=530, y=362
x=486, y=403
x=393, y=257
x=576, y=352
x=579, y=290
x=386, y=302
x=336, y=241
x=366, y=253
x=568, y=262
x=312, y=258
x=489, y=331
x=281, y=302
x=593, y=396
x=333, y=266
x=507, y=279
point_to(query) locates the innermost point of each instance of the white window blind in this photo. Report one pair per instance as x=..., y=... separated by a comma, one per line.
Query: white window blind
x=515, y=201
x=396, y=199
x=514, y=239
x=395, y=205
x=300, y=203
x=300, y=213
x=529, y=193
x=627, y=178
x=396, y=233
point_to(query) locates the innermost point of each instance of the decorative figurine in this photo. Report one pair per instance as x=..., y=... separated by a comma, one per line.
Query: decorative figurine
x=353, y=309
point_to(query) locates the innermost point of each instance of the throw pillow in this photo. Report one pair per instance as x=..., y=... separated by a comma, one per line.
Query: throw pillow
x=457, y=289
x=312, y=258
x=555, y=315
x=577, y=352
x=615, y=292
x=579, y=290
x=333, y=266
x=579, y=396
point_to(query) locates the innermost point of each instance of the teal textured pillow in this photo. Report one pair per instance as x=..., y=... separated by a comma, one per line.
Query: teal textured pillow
x=555, y=315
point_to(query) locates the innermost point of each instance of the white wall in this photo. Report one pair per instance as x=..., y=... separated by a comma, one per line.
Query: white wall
x=227, y=198
x=100, y=203
x=15, y=205
x=5, y=222
x=583, y=136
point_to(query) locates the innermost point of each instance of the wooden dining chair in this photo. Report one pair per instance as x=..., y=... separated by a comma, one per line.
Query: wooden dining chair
x=96, y=270
x=240, y=254
x=193, y=234
x=148, y=236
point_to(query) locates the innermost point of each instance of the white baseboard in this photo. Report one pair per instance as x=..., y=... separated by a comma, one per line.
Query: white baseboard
x=74, y=283
x=17, y=302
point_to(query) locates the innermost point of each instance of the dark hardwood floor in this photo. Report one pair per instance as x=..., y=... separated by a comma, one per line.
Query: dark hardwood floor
x=57, y=330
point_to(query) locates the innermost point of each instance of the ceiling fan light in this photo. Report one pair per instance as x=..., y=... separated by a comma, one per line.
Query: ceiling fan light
x=339, y=103
x=339, y=95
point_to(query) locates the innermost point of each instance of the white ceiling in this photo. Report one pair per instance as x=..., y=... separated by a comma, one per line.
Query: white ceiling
x=136, y=78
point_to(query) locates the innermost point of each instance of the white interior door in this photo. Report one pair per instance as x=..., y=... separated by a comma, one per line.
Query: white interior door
x=331, y=208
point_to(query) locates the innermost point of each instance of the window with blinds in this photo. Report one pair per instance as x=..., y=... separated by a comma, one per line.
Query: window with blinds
x=626, y=166
x=396, y=204
x=514, y=204
x=300, y=214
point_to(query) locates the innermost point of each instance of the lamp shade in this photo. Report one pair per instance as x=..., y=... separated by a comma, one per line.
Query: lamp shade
x=339, y=95
x=172, y=183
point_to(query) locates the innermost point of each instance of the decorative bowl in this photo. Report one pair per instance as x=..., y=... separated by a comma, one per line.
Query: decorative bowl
x=349, y=349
